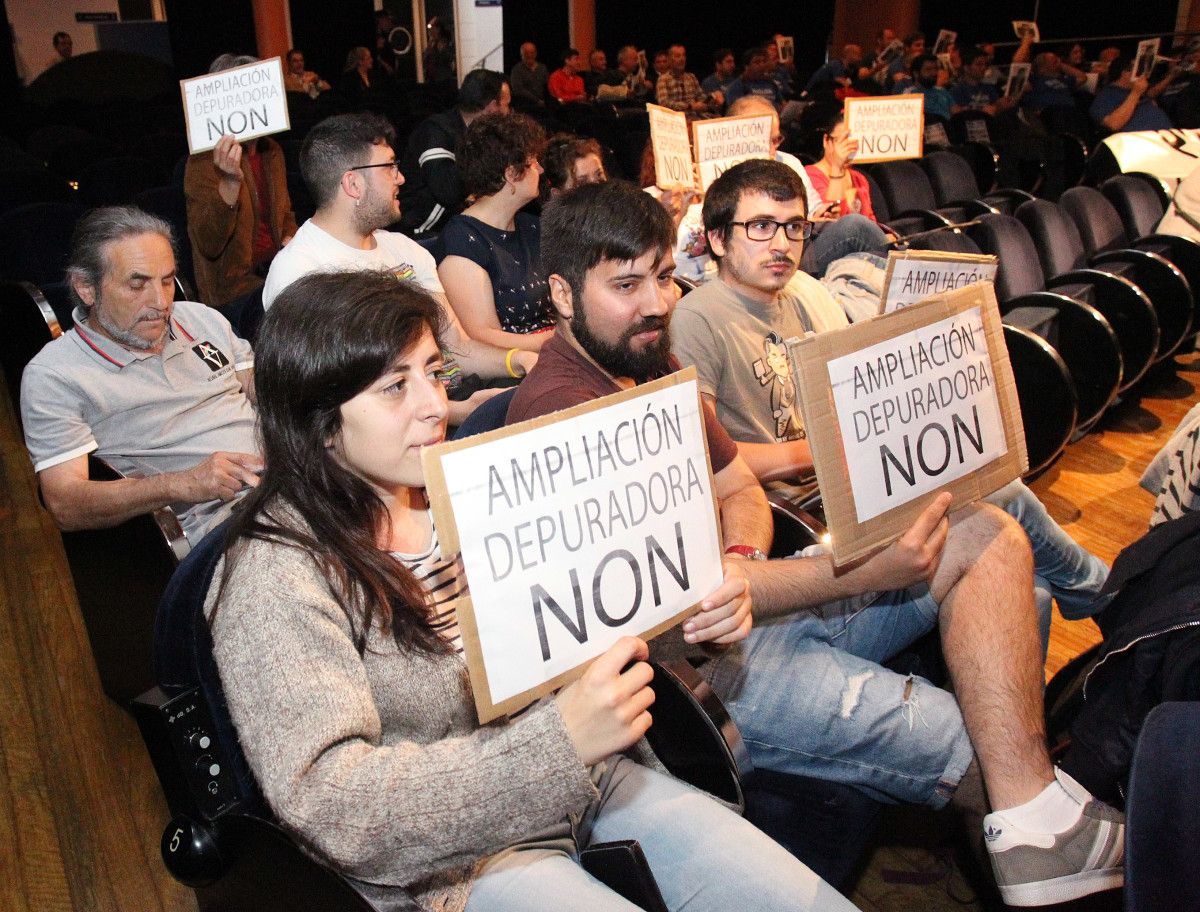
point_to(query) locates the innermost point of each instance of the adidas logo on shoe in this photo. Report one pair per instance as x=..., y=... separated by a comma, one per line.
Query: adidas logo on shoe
x=992, y=833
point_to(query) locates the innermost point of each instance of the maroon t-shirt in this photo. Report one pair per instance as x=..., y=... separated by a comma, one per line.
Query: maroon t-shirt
x=563, y=377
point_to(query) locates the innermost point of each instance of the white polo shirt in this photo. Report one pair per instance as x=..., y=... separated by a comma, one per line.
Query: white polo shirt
x=144, y=413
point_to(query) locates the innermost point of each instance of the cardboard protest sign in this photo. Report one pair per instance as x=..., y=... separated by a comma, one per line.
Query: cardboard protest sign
x=936, y=135
x=1018, y=76
x=1023, y=27
x=786, y=45
x=725, y=141
x=905, y=405
x=1143, y=63
x=914, y=275
x=246, y=101
x=945, y=39
x=977, y=131
x=892, y=51
x=888, y=128
x=672, y=149
x=576, y=529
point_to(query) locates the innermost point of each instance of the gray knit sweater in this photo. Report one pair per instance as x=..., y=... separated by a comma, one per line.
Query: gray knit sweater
x=376, y=762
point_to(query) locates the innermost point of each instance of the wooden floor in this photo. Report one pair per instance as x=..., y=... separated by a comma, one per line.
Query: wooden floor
x=80, y=809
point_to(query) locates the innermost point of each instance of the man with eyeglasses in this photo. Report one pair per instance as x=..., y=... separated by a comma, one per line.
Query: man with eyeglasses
x=349, y=165
x=804, y=684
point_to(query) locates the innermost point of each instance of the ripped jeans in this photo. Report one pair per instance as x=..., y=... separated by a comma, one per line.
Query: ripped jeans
x=811, y=698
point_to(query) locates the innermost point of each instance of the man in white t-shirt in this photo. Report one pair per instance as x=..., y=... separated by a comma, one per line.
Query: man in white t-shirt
x=350, y=168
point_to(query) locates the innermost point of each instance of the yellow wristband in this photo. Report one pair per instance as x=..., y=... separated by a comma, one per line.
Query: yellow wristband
x=508, y=365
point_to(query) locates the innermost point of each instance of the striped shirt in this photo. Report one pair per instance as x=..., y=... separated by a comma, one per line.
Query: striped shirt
x=444, y=581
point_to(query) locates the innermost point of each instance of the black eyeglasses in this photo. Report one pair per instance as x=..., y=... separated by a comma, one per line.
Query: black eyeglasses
x=766, y=229
x=395, y=167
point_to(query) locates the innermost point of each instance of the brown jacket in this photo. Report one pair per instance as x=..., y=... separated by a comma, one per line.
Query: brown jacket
x=222, y=236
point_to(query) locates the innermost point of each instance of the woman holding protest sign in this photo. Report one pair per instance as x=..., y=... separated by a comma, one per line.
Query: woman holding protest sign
x=335, y=635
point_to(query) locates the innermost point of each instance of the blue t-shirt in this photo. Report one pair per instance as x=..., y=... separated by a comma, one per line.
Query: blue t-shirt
x=937, y=99
x=827, y=75
x=712, y=83
x=513, y=261
x=1146, y=116
x=1049, y=92
x=974, y=97
x=763, y=88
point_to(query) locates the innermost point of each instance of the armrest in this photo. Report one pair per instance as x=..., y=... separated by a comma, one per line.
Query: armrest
x=795, y=527
x=928, y=217
x=975, y=207
x=694, y=736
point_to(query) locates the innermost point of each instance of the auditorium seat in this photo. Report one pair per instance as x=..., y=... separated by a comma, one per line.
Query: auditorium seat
x=1063, y=255
x=24, y=186
x=29, y=324
x=953, y=183
x=116, y=181
x=35, y=241
x=909, y=198
x=1079, y=331
x=169, y=204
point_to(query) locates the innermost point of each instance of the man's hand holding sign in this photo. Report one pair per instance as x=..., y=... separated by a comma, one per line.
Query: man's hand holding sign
x=580, y=531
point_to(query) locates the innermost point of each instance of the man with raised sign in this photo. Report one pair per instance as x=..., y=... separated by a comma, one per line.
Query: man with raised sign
x=239, y=213
x=805, y=686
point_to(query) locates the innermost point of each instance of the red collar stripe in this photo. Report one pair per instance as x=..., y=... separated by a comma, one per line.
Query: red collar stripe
x=179, y=327
x=96, y=348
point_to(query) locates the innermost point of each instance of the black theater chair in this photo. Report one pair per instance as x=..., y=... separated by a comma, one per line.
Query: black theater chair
x=170, y=205
x=116, y=181
x=1078, y=331
x=223, y=841
x=953, y=182
x=35, y=241
x=1107, y=228
x=24, y=185
x=1152, y=280
x=1146, y=262
x=908, y=198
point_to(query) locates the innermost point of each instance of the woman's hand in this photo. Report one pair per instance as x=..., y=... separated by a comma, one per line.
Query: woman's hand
x=605, y=710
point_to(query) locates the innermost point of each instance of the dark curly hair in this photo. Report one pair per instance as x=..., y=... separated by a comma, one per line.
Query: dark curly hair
x=494, y=143
x=560, y=154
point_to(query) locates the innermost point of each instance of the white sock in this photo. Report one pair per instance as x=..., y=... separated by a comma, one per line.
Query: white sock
x=1053, y=810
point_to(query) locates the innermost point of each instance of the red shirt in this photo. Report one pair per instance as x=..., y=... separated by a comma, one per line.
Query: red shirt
x=566, y=88
x=563, y=377
x=862, y=194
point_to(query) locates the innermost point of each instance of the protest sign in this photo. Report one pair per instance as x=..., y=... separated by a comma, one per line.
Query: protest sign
x=914, y=275
x=892, y=51
x=1018, y=75
x=1143, y=63
x=936, y=136
x=887, y=128
x=977, y=130
x=672, y=149
x=246, y=101
x=786, y=45
x=722, y=143
x=905, y=405
x=576, y=529
x=945, y=39
x=1023, y=27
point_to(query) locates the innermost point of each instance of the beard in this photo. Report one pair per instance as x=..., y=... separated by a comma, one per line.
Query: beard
x=127, y=337
x=621, y=360
x=377, y=211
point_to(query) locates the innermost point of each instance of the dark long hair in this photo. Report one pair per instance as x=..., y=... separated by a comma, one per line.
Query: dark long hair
x=327, y=338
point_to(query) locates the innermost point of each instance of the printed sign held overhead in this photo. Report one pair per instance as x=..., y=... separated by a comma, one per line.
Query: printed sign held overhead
x=1023, y=27
x=888, y=128
x=1143, y=63
x=576, y=529
x=724, y=142
x=1018, y=76
x=905, y=405
x=246, y=101
x=672, y=149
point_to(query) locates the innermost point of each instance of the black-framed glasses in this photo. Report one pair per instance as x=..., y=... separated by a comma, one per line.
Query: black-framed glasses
x=766, y=229
x=395, y=167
